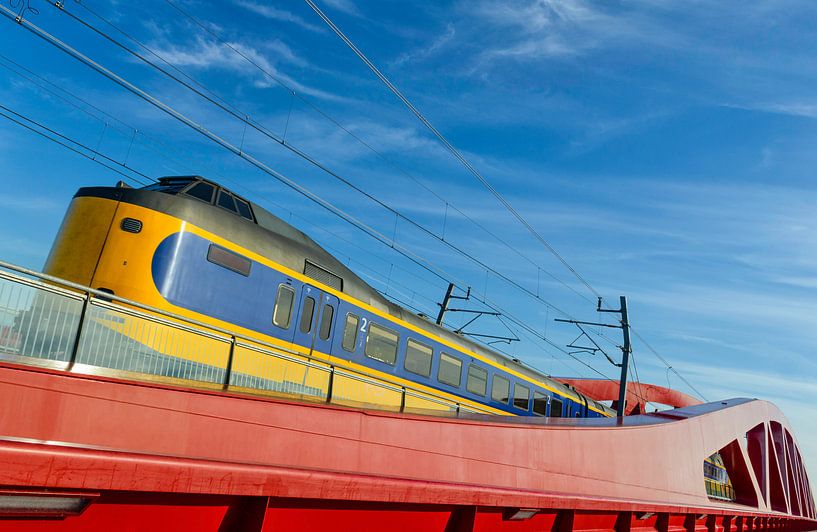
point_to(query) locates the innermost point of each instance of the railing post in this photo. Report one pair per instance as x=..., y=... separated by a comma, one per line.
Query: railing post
x=75, y=347
x=228, y=372
x=331, y=384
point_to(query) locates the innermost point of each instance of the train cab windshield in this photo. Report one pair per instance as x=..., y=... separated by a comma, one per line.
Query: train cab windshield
x=197, y=188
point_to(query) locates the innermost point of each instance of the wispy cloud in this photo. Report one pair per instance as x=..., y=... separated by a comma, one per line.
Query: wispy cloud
x=800, y=282
x=346, y=6
x=27, y=252
x=806, y=109
x=242, y=59
x=537, y=29
x=422, y=53
x=28, y=203
x=327, y=142
x=274, y=13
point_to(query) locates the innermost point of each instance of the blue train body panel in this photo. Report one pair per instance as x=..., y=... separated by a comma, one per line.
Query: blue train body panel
x=186, y=278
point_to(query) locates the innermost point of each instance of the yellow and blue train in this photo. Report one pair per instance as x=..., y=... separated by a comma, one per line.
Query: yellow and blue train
x=189, y=246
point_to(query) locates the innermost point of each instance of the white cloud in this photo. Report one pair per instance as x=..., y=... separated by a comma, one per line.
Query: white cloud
x=800, y=282
x=807, y=109
x=29, y=203
x=275, y=13
x=437, y=44
x=537, y=29
x=242, y=59
x=346, y=6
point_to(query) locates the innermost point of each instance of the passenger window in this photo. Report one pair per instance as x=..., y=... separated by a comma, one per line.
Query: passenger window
x=326, y=321
x=555, y=407
x=350, y=332
x=418, y=358
x=540, y=403
x=450, y=371
x=227, y=259
x=306, y=314
x=381, y=344
x=521, y=396
x=477, y=380
x=243, y=208
x=201, y=190
x=500, y=389
x=225, y=199
x=282, y=313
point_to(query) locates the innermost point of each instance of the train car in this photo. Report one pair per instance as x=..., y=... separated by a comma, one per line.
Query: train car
x=194, y=248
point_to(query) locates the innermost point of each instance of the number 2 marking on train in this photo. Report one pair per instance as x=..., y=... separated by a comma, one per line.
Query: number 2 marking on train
x=365, y=322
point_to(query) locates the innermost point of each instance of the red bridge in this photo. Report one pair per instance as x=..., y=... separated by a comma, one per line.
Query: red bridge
x=91, y=452
x=153, y=457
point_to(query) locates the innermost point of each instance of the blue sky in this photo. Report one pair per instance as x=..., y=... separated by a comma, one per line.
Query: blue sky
x=665, y=149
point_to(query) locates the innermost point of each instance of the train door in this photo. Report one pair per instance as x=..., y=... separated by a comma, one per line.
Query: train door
x=316, y=319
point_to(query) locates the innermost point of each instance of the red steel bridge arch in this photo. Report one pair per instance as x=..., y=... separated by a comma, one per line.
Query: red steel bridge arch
x=150, y=457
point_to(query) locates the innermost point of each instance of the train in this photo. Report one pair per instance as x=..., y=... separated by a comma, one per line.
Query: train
x=189, y=246
x=192, y=247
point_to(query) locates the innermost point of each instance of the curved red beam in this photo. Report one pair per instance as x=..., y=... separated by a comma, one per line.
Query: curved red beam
x=638, y=394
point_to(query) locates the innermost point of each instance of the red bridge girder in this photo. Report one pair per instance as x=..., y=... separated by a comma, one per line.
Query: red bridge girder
x=638, y=394
x=151, y=457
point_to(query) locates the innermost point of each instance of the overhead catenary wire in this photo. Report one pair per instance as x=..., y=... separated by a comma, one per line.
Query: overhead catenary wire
x=473, y=170
x=535, y=341
x=450, y=147
x=73, y=145
x=296, y=94
x=669, y=366
x=57, y=91
x=335, y=235
x=238, y=114
x=544, y=339
x=225, y=106
x=62, y=93
x=47, y=37
x=66, y=141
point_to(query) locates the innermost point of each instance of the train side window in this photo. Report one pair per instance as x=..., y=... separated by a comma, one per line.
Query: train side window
x=243, y=208
x=225, y=200
x=350, y=332
x=540, y=403
x=521, y=396
x=555, y=407
x=326, y=321
x=477, y=379
x=201, y=190
x=381, y=344
x=418, y=358
x=282, y=313
x=450, y=371
x=227, y=259
x=500, y=389
x=306, y=314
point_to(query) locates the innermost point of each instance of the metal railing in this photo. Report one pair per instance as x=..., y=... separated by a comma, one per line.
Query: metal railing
x=47, y=321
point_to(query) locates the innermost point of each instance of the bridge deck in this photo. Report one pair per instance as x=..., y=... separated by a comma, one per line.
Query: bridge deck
x=157, y=455
x=103, y=430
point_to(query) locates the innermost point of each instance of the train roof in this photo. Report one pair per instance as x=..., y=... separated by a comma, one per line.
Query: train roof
x=272, y=237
